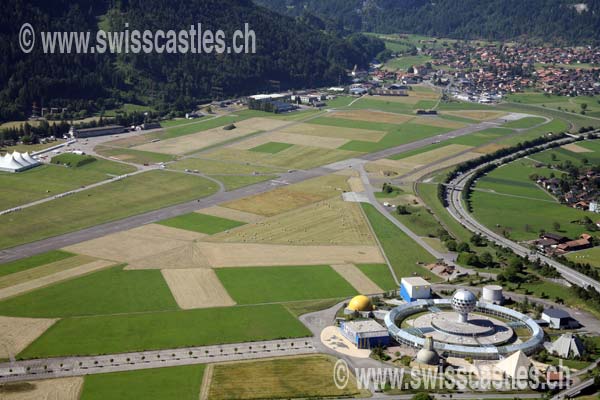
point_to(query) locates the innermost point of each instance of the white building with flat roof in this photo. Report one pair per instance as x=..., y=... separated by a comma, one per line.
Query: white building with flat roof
x=414, y=288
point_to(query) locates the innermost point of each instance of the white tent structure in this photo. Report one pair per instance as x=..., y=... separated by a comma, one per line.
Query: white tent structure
x=516, y=366
x=17, y=162
x=567, y=346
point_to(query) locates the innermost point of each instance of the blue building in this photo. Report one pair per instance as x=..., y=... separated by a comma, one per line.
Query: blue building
x=365, y=334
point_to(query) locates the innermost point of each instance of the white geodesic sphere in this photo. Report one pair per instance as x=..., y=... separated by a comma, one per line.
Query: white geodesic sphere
x=463, y=301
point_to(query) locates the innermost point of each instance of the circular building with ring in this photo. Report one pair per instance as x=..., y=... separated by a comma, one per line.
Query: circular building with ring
x=464, y=327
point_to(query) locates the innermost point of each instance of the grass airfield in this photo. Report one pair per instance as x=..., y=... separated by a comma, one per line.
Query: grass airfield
x=257, y=262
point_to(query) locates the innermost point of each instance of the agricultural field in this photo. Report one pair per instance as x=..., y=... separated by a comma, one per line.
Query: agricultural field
x=34, y=261
x=576, y=153
x=50, y=180
x=108, y=291
x=132, y=155
x=589, y=256
x=507, y=188
x=380, y=274
x=329, y=222
x=201, y=223
x=249, y=285
x=293, y=377
x=271, y=147
x=135, y=332
x=134, y=195
x=175, y=383
x=60, y=388
x=404, y=254
x=561, y=103
x=215, y=167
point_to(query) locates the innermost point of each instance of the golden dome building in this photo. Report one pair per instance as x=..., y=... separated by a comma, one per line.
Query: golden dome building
x=360, y=303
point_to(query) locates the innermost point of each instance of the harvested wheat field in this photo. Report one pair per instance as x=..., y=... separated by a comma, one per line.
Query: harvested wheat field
x=575, y=148
x=229, y=213
x=291, y=138
x=18, y=333
x=222, y=255
x=442, y=165
x=43, y=270
x=291, y=197
x=197, y=288
x=264, y=255
x=386, y=167
x=357, y=279
x=49, y=389
x=274, y=202
x=54, y=278
x=136, y=243
x=297, y=156
x=432, y=156
x=329, y=222
x=489, y=148
x=356, y=184
x=481, y=115
x=372, y=116
x=186, y=256
x=196, y=141
x=335, y=131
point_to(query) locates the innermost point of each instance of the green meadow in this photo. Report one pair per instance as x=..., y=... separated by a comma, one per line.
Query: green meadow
x=279, y=284
x=201, y=223
x=122, y=333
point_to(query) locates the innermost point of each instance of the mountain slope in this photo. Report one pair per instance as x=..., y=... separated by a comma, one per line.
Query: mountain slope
x=288, y=51
x=560, y=21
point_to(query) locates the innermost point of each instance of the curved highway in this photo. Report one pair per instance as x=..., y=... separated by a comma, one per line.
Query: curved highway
x=458, y=211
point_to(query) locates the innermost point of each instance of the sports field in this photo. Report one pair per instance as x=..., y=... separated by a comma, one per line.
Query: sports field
x=133, y=195
x=50, y=180
x=162, y=330
x=175, y=383
x=293, y=377
x=279, y=284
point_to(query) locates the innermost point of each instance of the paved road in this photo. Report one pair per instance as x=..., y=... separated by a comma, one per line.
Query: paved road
x=71, y=238
x=77, y=366
x=457, y=210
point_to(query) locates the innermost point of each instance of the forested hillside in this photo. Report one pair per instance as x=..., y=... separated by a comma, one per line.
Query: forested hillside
x=558, y=21
x=289, y=51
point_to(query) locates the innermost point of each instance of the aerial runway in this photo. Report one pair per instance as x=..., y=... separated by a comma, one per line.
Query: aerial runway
x=57, y=242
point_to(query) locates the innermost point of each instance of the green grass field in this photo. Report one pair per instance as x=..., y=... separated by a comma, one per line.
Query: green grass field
x=561, y=155
x=524, y=123
x=406, y=62
x=175, y=383
x=201, y=223
x=272, y=147
x=281, y=284
x=347, y=123
x=420, y=221
x=513, y=179
x=110, y=291
x=133, y=156
x=589, y=256
x=50, y=180
x=33, y=261
x=299, y=308
x=380, y=274
x=203, y=124
x=402, y=252
x=215, y=167
x=233, y=182
x=162, y=330
x=113, y=201
x=402, y=134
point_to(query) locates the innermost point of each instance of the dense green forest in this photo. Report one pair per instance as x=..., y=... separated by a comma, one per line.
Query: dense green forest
x=556, y=21
x=290, y=51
